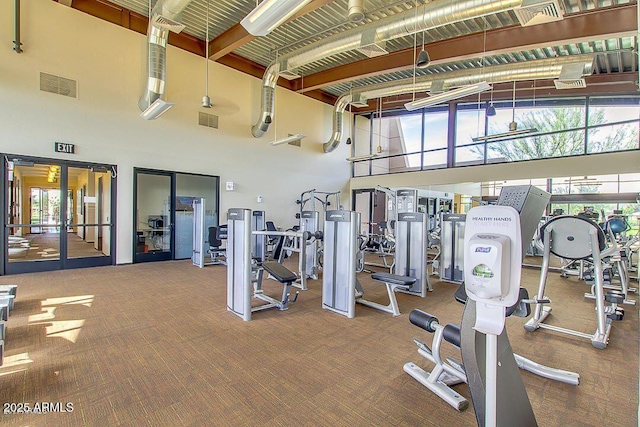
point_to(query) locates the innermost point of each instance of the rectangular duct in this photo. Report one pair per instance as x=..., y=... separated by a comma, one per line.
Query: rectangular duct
x=208, y=120
x=358, y=100
x=571, y=71
x=370, y=46
x=58, y=85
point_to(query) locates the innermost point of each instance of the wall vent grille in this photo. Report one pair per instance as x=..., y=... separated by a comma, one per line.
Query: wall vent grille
x=208, y=120
x=570, y=84
x=166, y=23
x=58, y=85
x=290, y=74
x=535, y=12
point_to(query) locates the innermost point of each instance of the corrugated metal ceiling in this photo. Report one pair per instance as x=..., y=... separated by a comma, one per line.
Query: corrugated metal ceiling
x=616, y=55
x=331, y=19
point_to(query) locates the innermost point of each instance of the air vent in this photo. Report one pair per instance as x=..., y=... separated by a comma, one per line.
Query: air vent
x=359, y=101
x=570, y=84
x=372, y=50
x=534, y=12
x=370, y=46
x=437, y=86
x=572, y=71
x=208, y=120
x=58, y=85
x=289, y=74
x=166, y=23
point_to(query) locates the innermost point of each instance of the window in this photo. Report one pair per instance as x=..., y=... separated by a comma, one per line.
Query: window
x=564, y=127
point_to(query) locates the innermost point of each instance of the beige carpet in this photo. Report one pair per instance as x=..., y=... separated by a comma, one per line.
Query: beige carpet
x=153, y=345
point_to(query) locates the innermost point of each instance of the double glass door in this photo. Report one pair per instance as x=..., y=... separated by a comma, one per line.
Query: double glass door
x=164, y=217
x=57, y=215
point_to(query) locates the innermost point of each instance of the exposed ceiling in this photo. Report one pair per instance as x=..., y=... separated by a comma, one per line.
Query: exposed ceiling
x=605, y=27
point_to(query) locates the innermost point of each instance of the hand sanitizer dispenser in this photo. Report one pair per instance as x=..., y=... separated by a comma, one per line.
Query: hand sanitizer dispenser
x=492, y=263
x=489, y=273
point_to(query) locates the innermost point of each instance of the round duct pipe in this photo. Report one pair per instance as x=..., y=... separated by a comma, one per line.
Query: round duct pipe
x=356, y=10
x=532, y=70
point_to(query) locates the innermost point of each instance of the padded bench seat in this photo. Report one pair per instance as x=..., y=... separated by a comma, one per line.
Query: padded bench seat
x=281, y=273
x=392, y=282
x=394, y=279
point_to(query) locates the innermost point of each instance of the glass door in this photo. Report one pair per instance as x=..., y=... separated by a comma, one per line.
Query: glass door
x=153, y=215
x=188, y=188
x=33, y=227
x=57, y=215
x=88, y=224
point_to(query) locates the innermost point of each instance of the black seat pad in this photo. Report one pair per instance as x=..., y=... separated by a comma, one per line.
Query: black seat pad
x=451, y=334
x=394, y=279
x=281, y=273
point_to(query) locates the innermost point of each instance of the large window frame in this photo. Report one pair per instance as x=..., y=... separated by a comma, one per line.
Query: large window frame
x=584, y=130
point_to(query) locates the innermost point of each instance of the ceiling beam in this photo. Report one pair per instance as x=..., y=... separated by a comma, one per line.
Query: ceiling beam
x=237, y=36
x=131, y=20
x=134, y=21
x=613, y=22
x=597, y=84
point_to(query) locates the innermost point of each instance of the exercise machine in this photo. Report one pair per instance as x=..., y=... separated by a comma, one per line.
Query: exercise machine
x=8, y=294
x=258, y=241
x=451, y=262
x=492, y=258
x=339, y=262
x=309, y=222
x=411, y=252
x=578, y=238
x=448, y=372
x=207, y=241
x=614, y=263
x=328, y=200
x=244, y=274
x=340, y=288
x=291, y=241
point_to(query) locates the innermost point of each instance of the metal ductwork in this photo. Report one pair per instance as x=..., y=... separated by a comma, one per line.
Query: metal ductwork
x=164, y=18
x=267, y=103
x=532, y=70
x=356, y=10
x=370, y=38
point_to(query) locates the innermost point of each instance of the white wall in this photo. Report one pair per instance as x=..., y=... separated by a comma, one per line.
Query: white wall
x=107, y=61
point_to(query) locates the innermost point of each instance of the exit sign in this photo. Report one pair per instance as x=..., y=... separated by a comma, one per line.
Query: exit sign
x=62, y=147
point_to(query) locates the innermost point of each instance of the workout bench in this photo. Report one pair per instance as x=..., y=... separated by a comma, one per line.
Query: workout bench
x=393, y=282
x=282, y=275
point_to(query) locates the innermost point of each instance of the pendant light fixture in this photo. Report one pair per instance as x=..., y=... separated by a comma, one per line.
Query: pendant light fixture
x=206, y=101
x=423, y=57
x=379, y=149
x=349, y=138
x=491, y=110
x=513, y=127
